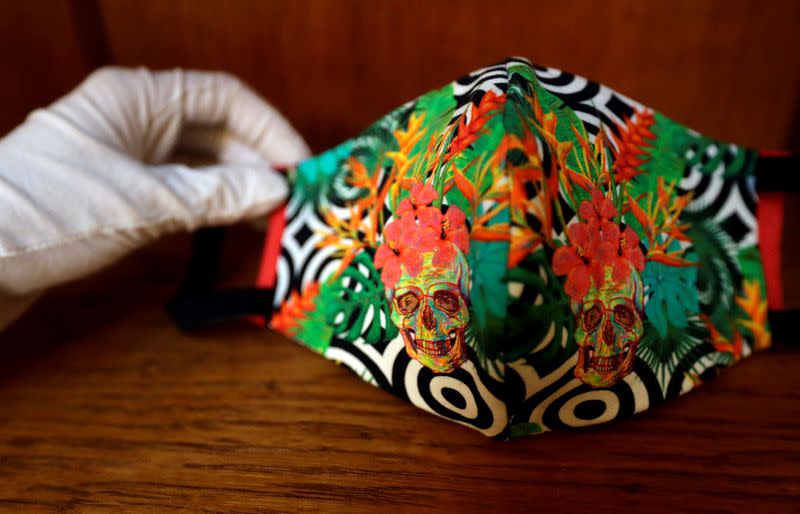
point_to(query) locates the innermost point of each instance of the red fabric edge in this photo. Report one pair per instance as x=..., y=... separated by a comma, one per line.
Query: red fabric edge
x=770, y=231
x=267, y=272
x=774, y=153
x=272, y=248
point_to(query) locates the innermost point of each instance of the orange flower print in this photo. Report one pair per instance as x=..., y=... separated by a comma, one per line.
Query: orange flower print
x=580, y=261
x=633, y=144
x=400, y=250
x=297, y=308
x=594, y=245
x=421, y=196
x=444, y=233
x=624, y=253
x=491, y=103
x=599, y=211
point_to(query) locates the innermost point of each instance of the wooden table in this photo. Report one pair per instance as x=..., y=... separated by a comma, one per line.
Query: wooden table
x=104, y=406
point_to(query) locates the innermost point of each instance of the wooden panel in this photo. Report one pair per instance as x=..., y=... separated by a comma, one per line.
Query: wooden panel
x=728, y=69
x=41, y=60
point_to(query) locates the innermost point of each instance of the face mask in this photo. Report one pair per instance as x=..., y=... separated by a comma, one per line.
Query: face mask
x=519, y=251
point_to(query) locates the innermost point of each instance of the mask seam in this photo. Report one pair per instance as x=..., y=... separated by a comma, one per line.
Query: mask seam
x=499, y=361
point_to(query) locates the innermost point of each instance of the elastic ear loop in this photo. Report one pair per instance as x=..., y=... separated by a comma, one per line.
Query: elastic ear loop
x=775, y=177
x=199, y=302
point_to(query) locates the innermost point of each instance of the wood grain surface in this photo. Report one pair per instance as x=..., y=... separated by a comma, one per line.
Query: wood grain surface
x=105, y=407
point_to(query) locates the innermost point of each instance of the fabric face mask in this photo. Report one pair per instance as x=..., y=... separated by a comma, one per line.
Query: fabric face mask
x=519, y=251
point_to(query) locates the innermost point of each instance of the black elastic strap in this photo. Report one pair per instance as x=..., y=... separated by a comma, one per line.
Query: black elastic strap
x=190, y=312
x=202, y=272
x=778, y=174
x=783, y=325
x=199, y=302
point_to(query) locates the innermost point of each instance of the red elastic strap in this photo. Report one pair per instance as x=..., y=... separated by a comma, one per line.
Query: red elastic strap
x=770, y=231
x=770, y=214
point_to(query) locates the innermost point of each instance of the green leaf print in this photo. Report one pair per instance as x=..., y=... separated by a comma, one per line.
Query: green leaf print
x=354, y=295
x=672, y=295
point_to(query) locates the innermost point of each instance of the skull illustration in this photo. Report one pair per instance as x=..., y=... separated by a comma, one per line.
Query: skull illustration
x=431, y=311
x=609, y=326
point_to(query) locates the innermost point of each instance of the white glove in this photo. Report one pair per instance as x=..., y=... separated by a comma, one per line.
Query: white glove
x=82, y=182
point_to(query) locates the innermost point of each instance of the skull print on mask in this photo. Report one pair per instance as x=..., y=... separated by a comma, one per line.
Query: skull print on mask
x=609, y=326
x=431, y=310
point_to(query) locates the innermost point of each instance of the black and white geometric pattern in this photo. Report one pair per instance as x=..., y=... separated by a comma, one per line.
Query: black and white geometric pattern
x=729, y=199
x=596, y=105
x=490, y=400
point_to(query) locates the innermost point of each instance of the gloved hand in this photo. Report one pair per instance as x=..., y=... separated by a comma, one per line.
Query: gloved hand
x=84, y=181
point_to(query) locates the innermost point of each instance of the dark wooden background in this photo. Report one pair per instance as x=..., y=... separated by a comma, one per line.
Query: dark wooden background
x=105, y=407
x=728, y=68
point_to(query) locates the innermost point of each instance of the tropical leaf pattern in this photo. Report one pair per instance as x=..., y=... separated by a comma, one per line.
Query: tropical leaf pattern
x=673, y=295
x=524, y=250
